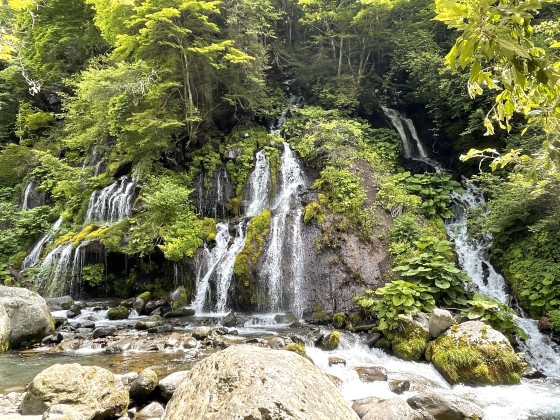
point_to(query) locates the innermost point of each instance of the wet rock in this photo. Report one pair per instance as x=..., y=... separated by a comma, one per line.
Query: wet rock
x=120, y=312
x=336, y=361
x=366, y=327
x=88, y=324
x=362, y=406
x=150, y=347
x=287, y=318
x=230, y=320
x=331, y=340
x=544, y=324
x=297, y=338
x=52, y=339
x=391, y=409
x=190, y=343
x=101, y=332
x=371, y=373
x=179, y=298
x=59, y=321
x=92, y=391
x=221, y=331
x=140, y=301
x=128, y=303
x=276, y=343
x=258, y=383
x=143, y=386
x=373, y=338
x=473, y=353
x=174, y=340
x=74, y=311
x=153, y=410
x=28, y=314
x=169, y=384
x=162, y=329
x=411, y=339
x=440, y=320
x=180, y=313
x=446, y=407
x=150, y=322
x=399, y=386
x=383, y=343
x=296, y=324
x=83, y=331
x=152, y=305
x=200, y=333
x=60, y=303
x=532, y=373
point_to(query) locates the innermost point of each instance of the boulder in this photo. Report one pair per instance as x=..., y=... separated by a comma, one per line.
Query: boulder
x=287, y=318
x=178, y=298
x=92, y=391
x=100, y=332
x=411, y=339
x=399, y=386
x=230, y=320
x=169, y=384
x=143, y=385
x=392, y=409
x=153, y=410
x=440, y=320
x=60, y=303
x=475, y=353
x=140, y=301
x=4, y=329
x=331, y=340
x=149, y=322
x=29, y=316
x=179, y=313
x=276, y=343
x=74, y=311
x=446, y=406
x=371, y=373
x=62, y=412
x=152, y=305
x=544, y=324
x=120, y=312
x=200, y=333
x=336, y=361
x=256, y=383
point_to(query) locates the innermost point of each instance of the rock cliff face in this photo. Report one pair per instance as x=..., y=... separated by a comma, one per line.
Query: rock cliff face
x=249, y=382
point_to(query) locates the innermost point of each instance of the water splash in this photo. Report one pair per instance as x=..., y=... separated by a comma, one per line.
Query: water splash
x=33, y=257
x=473, y=255
x=112, y=203
x=259, y=186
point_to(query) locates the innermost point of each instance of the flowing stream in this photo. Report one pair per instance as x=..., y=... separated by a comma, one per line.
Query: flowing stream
x=33, y=257
x=113, y=203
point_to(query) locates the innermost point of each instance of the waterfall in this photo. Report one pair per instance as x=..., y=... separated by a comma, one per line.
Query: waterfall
x=77, y=265
x=112, y=203
x=473, y=253
x=298, y=264
x=224, y=270
x=26, y=194
x=33, y=257
x=292, y=181
x=56, y=265
x=259, y=186
x=413, y=148
x=212, y=259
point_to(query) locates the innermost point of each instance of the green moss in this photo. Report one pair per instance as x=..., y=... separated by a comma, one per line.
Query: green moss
x=331, y=341
x=299, y=349
x=459, y=362
x=410, y=342
x=257, y=230
x=120, y=312
x=319, y=315
x=179, y=298
x=339, y=319
x=314, y=213
x=355, y=319
x=146, y=296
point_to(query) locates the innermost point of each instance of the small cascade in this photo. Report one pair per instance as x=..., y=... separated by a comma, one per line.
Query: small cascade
x=212, y=192
x=292, y=182
x=112, y=203
x=224, y=270
x=33, y=257
x=77, y=265
x=413, y=148
x=298, y=264
x=473, y=255
x=213, y=261
x=95, y=161
x=259, y=186
x=26, y=194
x=55, y=268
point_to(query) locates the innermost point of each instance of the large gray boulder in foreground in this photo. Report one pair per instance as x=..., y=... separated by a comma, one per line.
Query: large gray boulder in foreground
x=93, y=392
x=29, y=316
x=249, y=382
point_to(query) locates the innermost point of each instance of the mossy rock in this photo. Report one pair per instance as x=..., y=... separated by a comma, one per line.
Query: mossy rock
x=410, y=342
x=331, y=341
x=299, y=349
x=179, y=298
x=146, y=296
x=120, y=312
x=339, y=320
x=475, y=353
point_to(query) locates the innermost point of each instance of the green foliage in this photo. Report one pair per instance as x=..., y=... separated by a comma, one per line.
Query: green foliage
x=554, y=316
x=491, y=311
x=314, y=213
x=434, y=190
x=94, y=274
x=434, y=267
x=343, y=191
x=399, y=301
x=339, y=319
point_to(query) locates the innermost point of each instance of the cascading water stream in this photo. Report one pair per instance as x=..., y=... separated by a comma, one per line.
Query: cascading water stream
x=33, y=257
x=112, y=203
x=259, y=186
x=26, y=194
x=473, y=256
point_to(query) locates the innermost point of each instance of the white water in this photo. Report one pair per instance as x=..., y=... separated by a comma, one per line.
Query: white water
x=77, y=265
x=259, y=186
x=28, y=190
x=57, y=262
x=112, y=203
x=292, y=181
x=33, y=257
x=224, y=271
x=298, y=265
x=473, y=256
